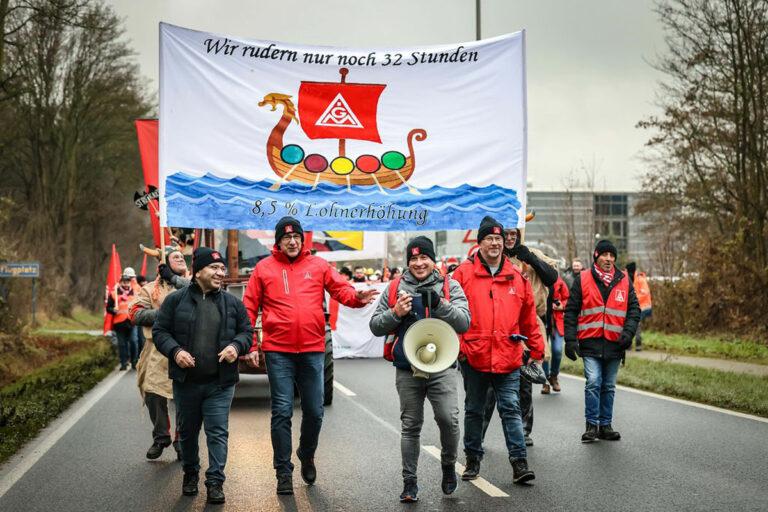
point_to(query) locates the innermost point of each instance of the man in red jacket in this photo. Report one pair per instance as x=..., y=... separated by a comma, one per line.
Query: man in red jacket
x=288, y=287
x=503, y=316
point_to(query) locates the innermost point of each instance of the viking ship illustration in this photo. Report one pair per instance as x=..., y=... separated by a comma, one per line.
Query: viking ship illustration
x=330, y=110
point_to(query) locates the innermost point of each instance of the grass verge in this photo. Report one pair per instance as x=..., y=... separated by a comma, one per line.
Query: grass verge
x=734, y=391
x=30, y=403
x=82, y=319
x=707, y=346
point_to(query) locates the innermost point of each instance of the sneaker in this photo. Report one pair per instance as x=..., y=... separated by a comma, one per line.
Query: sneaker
x=607, y=433
x=555, y=383
x=472, y=470
x=528, y=440
x=285, y=484
x=449, y=482
x=410, y=492
x=308, y=470
x=156, y=450
x=123, y=367
x=177, y=447
x=520, y=471
x=590, y=435
x=215, y=493
x=545, y=389
x=638, y=348
x=189, y=485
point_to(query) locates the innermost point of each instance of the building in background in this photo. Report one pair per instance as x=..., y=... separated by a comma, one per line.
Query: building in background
x=566, y=226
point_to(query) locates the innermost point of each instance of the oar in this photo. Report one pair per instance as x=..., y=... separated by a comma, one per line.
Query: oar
x=349, y=184
x=411, y=189
x=376, y=180
x=276, y=186
x=317, y=180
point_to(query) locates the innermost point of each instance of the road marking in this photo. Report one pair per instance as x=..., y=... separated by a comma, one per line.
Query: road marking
x=27, y=460
x=480, y=482
x=344, y=389
x=680, y=401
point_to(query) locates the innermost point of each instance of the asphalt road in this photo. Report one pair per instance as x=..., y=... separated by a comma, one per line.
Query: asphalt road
x=672, y=457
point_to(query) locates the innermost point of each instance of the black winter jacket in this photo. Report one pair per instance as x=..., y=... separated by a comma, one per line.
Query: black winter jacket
x=600, y=347
x=173, y=329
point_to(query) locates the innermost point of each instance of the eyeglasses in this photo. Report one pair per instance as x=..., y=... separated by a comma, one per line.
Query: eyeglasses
x=493, y=239
x=293, y=238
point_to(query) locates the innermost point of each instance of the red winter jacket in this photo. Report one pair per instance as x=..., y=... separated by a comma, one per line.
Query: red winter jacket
x=290, y=295
x=561, y=293
x=499, y=305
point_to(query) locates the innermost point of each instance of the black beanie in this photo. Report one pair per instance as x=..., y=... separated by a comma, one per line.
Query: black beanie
x=420, y=245
x=604, y=246
x=204, y=256
x=489, y=226
x=287, y=225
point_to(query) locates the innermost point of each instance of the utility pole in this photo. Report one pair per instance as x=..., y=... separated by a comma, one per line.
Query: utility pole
x=477, y=21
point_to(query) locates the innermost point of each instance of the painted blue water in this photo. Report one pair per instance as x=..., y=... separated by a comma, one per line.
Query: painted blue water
x=213, y=202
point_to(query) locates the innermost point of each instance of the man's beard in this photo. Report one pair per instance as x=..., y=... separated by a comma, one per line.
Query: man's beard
x=358, y=279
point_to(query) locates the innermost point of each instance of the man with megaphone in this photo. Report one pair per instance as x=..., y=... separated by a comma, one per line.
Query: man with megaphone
x=422, y=311
x=503, y=311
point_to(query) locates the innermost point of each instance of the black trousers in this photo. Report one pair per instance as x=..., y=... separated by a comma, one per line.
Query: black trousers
x=161, y=421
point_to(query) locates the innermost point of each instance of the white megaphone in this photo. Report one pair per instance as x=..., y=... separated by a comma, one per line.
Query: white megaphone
x=431, y=346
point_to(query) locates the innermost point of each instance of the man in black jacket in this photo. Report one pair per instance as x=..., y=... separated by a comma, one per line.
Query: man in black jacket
x=202, y=331
x=600, y=320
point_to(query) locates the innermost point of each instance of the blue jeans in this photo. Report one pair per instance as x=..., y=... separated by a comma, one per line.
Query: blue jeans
x=552, y=368
x=127, y=345
x=507, y=389
x=599, y=389
x=205, y=404
x=307, y=370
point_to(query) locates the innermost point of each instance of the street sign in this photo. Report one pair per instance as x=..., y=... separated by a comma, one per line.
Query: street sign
x=20, y=269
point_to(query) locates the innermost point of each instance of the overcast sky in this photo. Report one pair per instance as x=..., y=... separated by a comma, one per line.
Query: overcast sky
x=589, y=81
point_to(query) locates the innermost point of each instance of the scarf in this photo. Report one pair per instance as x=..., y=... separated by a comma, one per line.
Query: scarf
x=605, y=277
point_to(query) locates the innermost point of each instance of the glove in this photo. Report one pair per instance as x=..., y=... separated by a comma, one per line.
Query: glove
x=522, y=253
x=625, y=341
x=430, y=298
x=572, y=350
x=165, y=272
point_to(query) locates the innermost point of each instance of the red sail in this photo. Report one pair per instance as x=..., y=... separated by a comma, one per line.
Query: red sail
x=339, y=110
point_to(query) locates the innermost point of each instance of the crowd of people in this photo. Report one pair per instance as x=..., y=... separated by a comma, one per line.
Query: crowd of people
x=514, y=314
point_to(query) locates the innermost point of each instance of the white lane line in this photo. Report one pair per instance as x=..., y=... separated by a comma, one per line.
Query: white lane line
x=28, y=459
x=480, y=482
x=344, y=389
x=680, y=401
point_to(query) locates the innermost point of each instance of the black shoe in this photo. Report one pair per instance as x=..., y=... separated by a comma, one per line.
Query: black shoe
x=472, y=470
x=450, y=482
x=528, y=440
x=308, y=470
x=133, y=366
x=215, y=493
x=590, y=435
x=410, y=492
x=638, y=348
x=177, y=447
x=285, y=484
x=607, y=433
x=123, y=367
x=520, y=471
x=156, y=450
x=189, y=485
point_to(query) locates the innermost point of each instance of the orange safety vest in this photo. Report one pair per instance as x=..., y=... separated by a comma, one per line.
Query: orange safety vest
x=124, y=300
x=643, y=291
x=598, y=319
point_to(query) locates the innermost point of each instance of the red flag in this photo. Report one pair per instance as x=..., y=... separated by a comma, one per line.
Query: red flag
x=146, y=129
x=113, y=277
x=144, y=266
x=330, y=110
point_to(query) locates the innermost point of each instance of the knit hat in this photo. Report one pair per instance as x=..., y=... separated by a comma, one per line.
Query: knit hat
x=604, y=246
x=287, y=225
x=204, y=256
x=489, y=226
x=170, y=249
x=420, y=245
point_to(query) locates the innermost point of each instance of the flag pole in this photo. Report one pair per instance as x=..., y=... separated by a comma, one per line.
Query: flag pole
x=162, y=231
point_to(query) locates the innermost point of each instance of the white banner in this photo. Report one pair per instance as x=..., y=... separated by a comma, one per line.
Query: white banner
x=352, y=337
x=348, y=139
